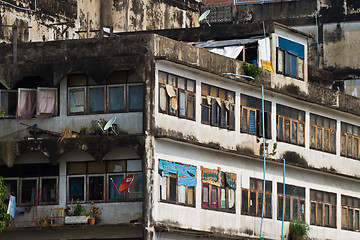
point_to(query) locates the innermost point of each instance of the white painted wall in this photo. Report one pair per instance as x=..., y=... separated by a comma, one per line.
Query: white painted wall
x=230, y=139
x=236, y=224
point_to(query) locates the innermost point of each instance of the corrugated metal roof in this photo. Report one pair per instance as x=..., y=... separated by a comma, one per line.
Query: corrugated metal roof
x=224, y=43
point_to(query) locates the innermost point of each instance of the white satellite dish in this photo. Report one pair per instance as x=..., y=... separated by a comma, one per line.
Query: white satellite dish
x=204, y=17
x=109, y=124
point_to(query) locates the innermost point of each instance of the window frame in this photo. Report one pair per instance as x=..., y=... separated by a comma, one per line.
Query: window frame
x=127, y=97
x=348, y=208
x=87, y=193
x=323, y=204
x=291, y=199
x=105, y=98
x=291, y=121
x=16, y=97
x=17, y=179
x=56, y=106
x=284, y=65
x=331, y=131
x=41, y=192
x=177, y=91
x=258, y=212
x=214, y=106
x=36, y=191
x=108, y=97
x=353, y=138
x=68, y=100
x=20, y=115
x=68, y=187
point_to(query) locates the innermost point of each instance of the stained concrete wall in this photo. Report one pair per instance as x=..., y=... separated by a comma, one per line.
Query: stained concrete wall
x=43, y=23
x=337, y=28
x=235, y=224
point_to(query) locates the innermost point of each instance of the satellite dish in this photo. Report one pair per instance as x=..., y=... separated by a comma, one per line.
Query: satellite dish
x=126, y=183
x=110, y=123
x=204, y=17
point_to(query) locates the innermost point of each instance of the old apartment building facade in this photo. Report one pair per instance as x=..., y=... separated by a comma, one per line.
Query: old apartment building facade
x=190, y=130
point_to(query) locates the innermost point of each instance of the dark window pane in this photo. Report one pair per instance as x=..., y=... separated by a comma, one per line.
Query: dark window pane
x=96, y=100
x=244, y=117
x=96, y=188
x=319, y=138
x=319, y=214
x=356, y=219
x=252, y=203
x=287, y=63
x=116, y=98
x=333, y=142
x=8, y=102
x=28, y=191
x=136, y=97
x=260, y=204
x=245, y=202
x=135, y=189
x=327, y=215
x=173, y=189
x=333, y=216
x=11, y=189
x=223, y=114
x=232, y=117
x=350, y=219
x=313, y=214
x=301, y=134
x=214, y=113
x=295, y=209
x=252, y=122
x=190, y=110
x=343, y=144
x=349, y=146
x=287, y=130
x=302, y=209
x=76, y=188
x=294, y=132
x=287, y=208
x=48, y=190
x=113, y=181
x=268, y=205
x=293, y=66
x=280, y=127
x=280, y=207
x=205, y=112
x=214, y=197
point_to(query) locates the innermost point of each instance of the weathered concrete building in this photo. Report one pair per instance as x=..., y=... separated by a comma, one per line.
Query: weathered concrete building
x=190, y=129
x=40, y=20
x=333, y=25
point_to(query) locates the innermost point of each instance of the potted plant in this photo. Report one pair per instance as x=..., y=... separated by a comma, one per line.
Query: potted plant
x=2, y=113
x=298, y=229
x=95, y=128
x=43, y=219
x=94, y=214
x=77, y=215
x=83, y=130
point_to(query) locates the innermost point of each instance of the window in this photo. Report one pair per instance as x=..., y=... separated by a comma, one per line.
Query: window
x=251, y=116
x=252, y=199
x=294, y=202
x=177, y=95
x=177, y=183
x=290, y=58
x=217, y=107
x=8, y=102
x=95, y=181
x=218, y=190
x=350, y=140
x=350, y=207
x=322, y=133
x=290, y=125
x=32, y=183
x=123, y=92
x=323, y=208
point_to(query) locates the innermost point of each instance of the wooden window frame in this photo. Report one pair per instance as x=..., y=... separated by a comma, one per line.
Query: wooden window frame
x=87, y=184
x=290, y=62
x=332, y=132
x=219, y=109
x=258, y=209
x=323, y=205
x=291, y=120
x=292, y=198
x=347, y=208
x=218, y=190
x=177, y=92
x=347, y=136
x=108, y=97
x=68, y=187
x=105, y=99
x=127, y=97
x=36, y=192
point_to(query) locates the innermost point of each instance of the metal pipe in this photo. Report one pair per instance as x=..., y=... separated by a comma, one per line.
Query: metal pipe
x=239, y=75
x=317, y=39
x=264, y=158
x=264, y=173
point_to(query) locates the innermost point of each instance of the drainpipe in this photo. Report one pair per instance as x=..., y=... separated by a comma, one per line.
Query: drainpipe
x=264, y=174
x=317, y=39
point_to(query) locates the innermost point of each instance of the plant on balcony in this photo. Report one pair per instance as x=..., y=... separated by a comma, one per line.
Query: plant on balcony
x=79, y=210
x=298, y=229
x=4, y=217
x=77, y=215
x=94, y=213
x=83, y=130
x=2, y=113
x=94, y=127
x=251, y=70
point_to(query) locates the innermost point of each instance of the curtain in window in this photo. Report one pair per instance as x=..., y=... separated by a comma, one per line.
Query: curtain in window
x=26, y=103
x=46, y=101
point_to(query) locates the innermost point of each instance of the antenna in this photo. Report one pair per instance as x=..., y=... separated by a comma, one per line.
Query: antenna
x=204, y=17
x=109, y=124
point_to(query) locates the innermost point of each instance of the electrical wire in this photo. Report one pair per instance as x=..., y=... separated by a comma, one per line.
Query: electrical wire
x=14, y=6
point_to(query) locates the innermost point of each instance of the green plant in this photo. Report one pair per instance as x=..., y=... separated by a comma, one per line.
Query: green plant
x=83, y=128
x=94, y=126
x=274, y=149
x=298, y=228
x=251, y=70
x=79, y=210
x=2, y=113
x=4, y=217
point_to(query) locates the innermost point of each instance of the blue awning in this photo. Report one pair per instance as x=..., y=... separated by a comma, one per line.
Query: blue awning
x=292, y=47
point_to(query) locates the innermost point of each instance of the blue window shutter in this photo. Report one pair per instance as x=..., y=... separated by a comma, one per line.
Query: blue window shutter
x=292, y=47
